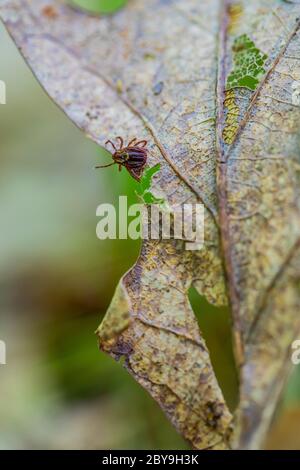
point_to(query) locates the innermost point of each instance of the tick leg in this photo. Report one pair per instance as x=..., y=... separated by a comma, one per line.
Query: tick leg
x=121, y=142
x=136, y=174
x=131, y=142
x=112, y=144
x=120, y=167
x=104, y=166
x=142, y=143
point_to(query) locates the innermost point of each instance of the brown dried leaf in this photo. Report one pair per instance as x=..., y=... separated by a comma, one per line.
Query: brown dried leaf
x=152, y=70
x=259, y=213
x=151, y=324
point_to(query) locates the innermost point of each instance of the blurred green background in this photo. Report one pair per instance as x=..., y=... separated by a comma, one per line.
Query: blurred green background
x=56, y=281
x=99, y=6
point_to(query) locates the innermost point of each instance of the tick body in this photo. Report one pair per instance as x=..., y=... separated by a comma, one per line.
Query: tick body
x=133, y=156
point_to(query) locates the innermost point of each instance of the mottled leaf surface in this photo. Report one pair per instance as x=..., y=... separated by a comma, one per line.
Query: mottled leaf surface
x=259, y=210
x=214, y=86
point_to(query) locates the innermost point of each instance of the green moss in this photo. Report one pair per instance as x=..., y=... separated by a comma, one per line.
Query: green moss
x=248, y=63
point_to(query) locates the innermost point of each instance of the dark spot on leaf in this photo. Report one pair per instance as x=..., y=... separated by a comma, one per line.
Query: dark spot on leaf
x=158, y=88
x=50, y=12
x=91, y=116
x=149, y=56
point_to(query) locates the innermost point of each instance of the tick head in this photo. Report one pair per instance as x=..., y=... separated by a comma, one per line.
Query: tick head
x=120, y=157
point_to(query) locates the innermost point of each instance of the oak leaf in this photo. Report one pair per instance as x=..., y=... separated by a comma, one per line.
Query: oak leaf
x=214, y=86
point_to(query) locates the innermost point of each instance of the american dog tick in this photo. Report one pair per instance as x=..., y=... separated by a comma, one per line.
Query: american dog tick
x=133, y=156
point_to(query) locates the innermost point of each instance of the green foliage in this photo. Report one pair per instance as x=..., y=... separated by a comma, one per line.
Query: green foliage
x=142, y=188
x=100, y=6
x=248, y=64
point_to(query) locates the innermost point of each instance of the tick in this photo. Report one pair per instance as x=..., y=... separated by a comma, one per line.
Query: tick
x=133, y=156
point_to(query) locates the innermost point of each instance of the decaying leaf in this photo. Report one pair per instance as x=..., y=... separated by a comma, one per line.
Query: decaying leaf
x=214, y=86
x=259, y=212
x=162, y=346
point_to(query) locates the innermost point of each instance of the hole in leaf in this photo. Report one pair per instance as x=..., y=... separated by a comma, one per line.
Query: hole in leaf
x=143, y=188
x=99, y=6
x=215, y=325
